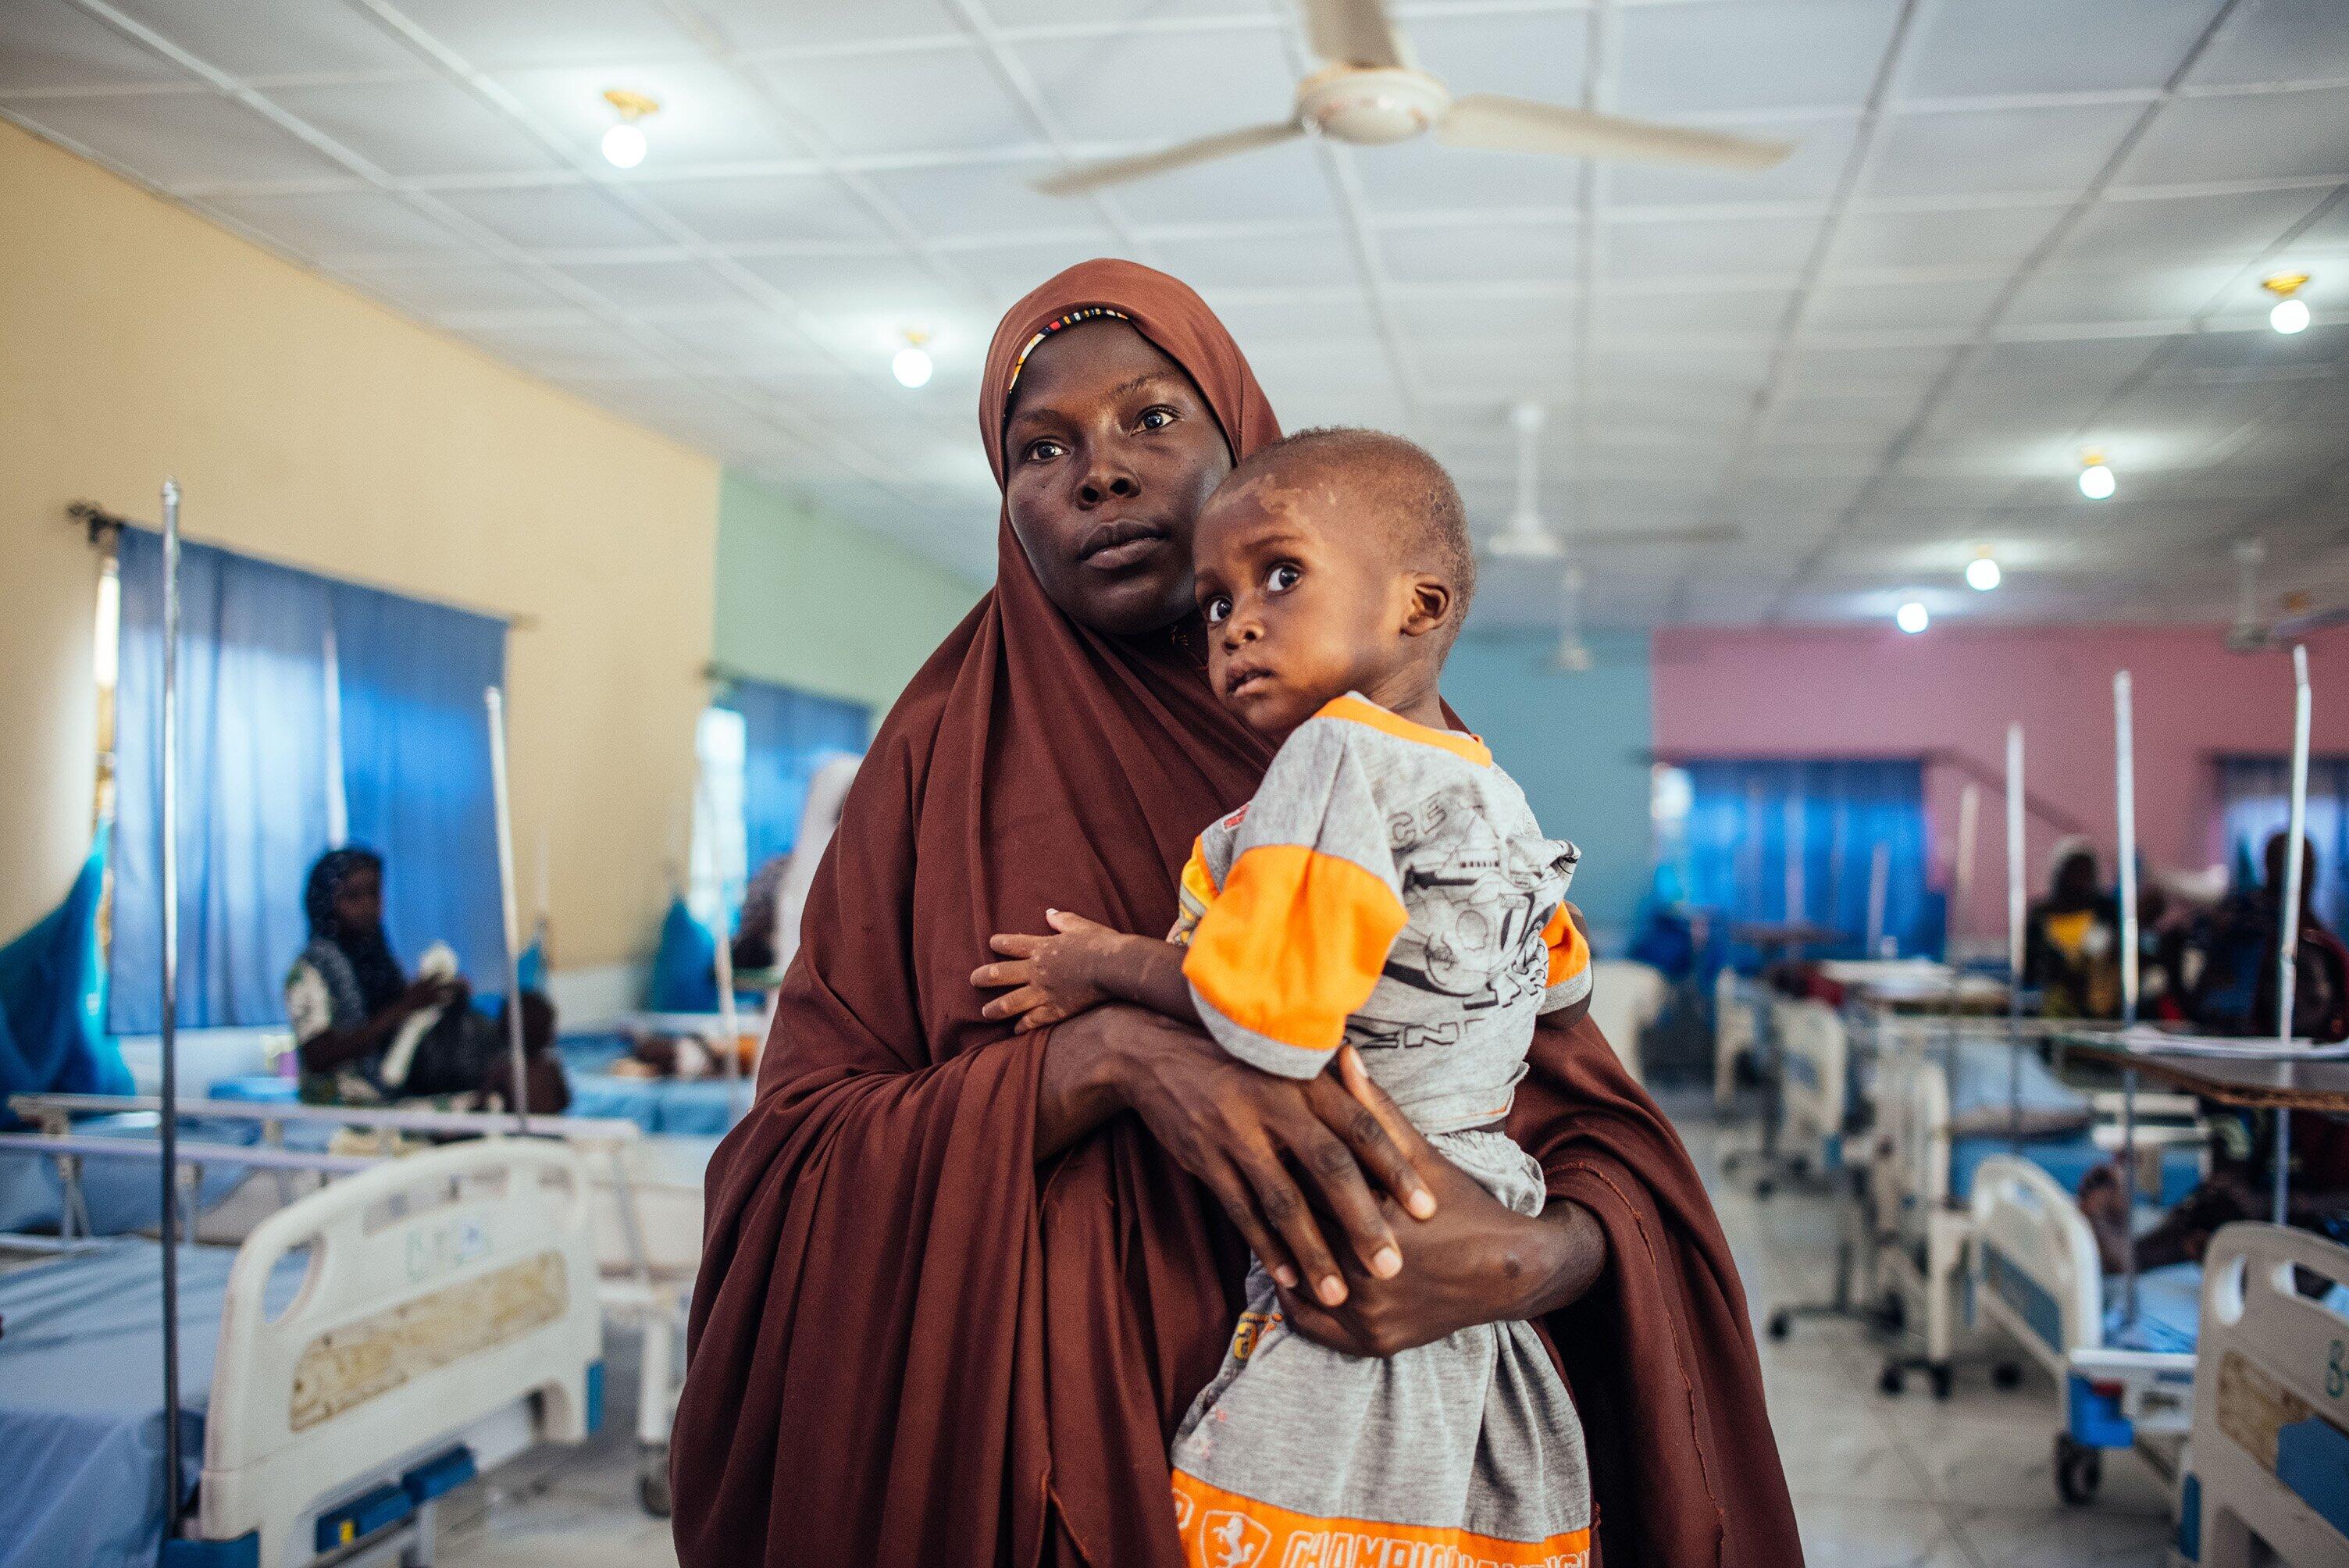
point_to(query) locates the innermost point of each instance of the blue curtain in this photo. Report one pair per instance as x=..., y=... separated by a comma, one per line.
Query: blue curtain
x=1746, y=818
x=257, y=781
x=415, y=768
x=53, y=1001
x=252, y=782
x=2255, y=804
x=787, y=734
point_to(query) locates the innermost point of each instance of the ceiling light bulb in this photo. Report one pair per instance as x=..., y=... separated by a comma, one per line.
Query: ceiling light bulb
x=1912, y=618
x=2097, y=481
x=911, y=366
x=624, y=146
x=1981, y=575
x=2289, y=316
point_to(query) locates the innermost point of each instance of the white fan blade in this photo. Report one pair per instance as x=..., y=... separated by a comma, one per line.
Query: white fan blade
x=1353, y=33
x=1087, y=177
x=1708, y=533
x=1501, y=124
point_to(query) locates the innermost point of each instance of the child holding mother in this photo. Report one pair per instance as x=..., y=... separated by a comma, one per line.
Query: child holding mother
x=961, y=1285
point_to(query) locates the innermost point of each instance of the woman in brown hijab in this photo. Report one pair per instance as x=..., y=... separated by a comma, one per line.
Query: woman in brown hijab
x=953, y=1299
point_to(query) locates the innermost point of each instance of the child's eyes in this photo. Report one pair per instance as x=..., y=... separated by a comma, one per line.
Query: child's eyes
x=1282, y=578
x=1217, y=609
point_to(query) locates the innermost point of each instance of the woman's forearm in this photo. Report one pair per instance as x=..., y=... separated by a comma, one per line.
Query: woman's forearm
x=1076, y=1090
x=1563, y=1272
x=324, y=1052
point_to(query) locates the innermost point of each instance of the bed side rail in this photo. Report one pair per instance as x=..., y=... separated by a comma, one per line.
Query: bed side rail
x=2032, y=1250
x=440, y=1290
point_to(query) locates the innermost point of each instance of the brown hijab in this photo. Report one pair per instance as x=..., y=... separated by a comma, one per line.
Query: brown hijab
x=910, y=1343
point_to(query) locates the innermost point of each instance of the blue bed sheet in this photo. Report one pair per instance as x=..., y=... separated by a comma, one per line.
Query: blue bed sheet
x=81, y=1410
x=2168, y=1310
x=123, y=1194
x=2068, y=1158
x=706, y=1107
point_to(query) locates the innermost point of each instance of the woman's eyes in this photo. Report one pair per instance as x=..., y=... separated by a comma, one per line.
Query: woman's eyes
x=1156, y=419
x=1282, y=578
x=1044, y=451
x=1217, y=609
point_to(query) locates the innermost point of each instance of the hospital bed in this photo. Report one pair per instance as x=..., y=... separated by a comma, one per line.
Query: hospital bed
x=2268, y=1471
x=647, y=1193
x=1626, y=997
x=1924, y=1163
x=369, y=1348
x=2124, y=1381
x=1733, y=1035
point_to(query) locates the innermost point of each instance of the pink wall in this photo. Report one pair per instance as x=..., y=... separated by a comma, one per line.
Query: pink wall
x=1875, y=693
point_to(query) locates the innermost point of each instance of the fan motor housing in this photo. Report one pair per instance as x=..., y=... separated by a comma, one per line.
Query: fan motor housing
x=1371, y=106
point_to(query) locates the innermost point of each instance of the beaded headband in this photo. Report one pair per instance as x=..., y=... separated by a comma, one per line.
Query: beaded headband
x=1088, y=312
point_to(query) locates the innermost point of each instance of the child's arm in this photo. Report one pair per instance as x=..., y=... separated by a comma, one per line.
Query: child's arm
x=1084, y=963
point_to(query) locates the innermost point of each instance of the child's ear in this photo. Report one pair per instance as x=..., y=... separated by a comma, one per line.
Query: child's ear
x=1428, y=604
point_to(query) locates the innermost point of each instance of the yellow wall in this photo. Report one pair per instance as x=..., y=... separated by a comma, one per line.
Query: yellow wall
x=313, y=426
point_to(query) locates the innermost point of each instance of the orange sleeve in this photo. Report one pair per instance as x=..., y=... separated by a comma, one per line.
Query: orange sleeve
x=1292, y=946
x=1569, y=960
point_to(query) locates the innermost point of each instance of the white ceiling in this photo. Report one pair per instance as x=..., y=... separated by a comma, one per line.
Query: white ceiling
x=2012, y=229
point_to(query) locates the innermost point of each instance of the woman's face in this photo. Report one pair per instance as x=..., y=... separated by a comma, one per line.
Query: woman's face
x=1109, y=453
x=358, y=902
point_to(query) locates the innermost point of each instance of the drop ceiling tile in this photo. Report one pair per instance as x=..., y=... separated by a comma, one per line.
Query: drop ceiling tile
x=1283, y=184
x=982, y=200
x=751, y=341
x=434, y=292
x=1990, y=237
x=2008, y=149
x=1832, y=371
x=654, y=288
x=50, y=44
x=1126, y=89
x=1810, y=173
x=1539, y=309
x=2277, y=41
x=1424, y=175
x=1714, y=247
x=554, y=218
x=561, y=344
x=2181, y=228
x=551, y=32
x=418, y=127
x=1624, y=311
x=1996, y=49
x=1339, y=314
x=1286, y=260
x=788, y=25
x=171, y=138
x=347, y=225
x=905, y=100
x=2261, y=137
x=269, y=38
x=707, y=114
x=2168, y=296
x=1702, y=59
x=765, y=210
x=1535, y=55
x=1956, y=306
x=1500, y=368
x=1492, y=252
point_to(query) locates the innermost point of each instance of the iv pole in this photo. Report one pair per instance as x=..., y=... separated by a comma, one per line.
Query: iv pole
x=2124, y=809
x=170, y=1128
x=2015, y=945
x=2288, y=944
x=495, y=701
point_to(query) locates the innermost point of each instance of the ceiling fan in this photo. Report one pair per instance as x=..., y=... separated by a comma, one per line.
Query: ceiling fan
x=1371, y=93
x=2254, y=632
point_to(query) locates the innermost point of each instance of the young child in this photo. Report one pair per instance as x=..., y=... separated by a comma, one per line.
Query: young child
x=1387, y=889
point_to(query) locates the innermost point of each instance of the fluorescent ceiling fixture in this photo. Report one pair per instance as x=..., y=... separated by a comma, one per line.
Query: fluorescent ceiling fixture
x=1912, y=618
x=911, y=366
x=1981, y=575
x=2097, y=481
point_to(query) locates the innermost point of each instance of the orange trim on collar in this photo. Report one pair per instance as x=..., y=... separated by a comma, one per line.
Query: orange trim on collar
x=1361, y=709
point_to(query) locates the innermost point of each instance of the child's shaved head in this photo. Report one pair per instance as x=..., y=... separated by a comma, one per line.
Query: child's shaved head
x=1386, y=480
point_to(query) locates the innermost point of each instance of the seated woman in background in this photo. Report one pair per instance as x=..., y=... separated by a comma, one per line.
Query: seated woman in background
x=364, y=1031
x=2071, y=941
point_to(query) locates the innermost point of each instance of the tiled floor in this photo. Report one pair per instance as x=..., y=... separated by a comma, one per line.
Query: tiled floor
x=1879, y=1482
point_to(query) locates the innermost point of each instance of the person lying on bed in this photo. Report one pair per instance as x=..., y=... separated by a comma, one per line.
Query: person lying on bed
x=365, y=1033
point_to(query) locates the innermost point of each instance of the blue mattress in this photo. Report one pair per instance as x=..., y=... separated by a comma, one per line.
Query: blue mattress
x=81, y=1410
x=705, y=1106
x=2168, y=1310
x=122, y=1194
x=2068, y=1158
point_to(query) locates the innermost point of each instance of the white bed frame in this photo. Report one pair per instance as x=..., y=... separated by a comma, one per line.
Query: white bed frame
x=1732, y=1033
x=2271, y=1360
x=2033, y=1249
x=1920, y=1237
x=449, y=1300
x=1815, y=1072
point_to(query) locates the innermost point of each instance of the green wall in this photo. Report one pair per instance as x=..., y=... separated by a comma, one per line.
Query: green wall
x=1578, y=745
x=824, y=606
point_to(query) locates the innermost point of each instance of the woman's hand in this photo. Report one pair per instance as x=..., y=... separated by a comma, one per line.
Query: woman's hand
x=1474, y=1260
x=1257, y=1142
